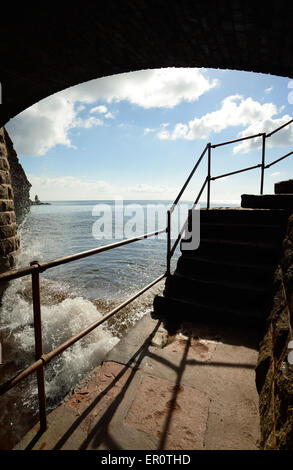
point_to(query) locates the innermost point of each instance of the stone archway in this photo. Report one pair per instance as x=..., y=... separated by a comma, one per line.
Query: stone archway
x=45, y=50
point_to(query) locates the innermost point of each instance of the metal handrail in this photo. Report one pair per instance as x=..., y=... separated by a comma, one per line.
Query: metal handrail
x=37, y=267
x=46, y=358
x=43, y=266
x=188, y=179
x=209, y=178
x=172, y=250
x=42, y=359
x=279, y=128
x=278, y=160
x=236, y=140
x=213, y=178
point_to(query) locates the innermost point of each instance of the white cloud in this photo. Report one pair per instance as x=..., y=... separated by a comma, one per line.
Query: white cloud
x=88, y=123
x=99, y=109
x=268, y=90
x=276, y=173
x=103, y=110
x=146, y=188
x=148, y=130
x=234, y=111
x=43, y=126
x=67, y=188
x=158, y=88
x=283, y=138
x=164, y=135
x=46, y=124
x=109, y=115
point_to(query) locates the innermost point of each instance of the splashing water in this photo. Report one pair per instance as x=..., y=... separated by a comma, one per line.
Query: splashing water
x=71, y=300
x=63, y=316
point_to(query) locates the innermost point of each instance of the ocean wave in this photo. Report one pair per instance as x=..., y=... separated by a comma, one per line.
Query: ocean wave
x=67, y=307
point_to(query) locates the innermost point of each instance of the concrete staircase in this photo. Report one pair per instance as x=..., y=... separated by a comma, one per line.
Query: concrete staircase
x=229, y=278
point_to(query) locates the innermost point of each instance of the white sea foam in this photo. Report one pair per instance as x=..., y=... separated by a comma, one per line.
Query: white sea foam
x=71, y=300
x=60, y=321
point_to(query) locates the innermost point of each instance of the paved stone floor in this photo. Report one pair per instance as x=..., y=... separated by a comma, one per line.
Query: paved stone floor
x=195, y=390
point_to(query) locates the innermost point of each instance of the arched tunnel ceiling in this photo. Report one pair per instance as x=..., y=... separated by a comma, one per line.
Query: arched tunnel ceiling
x=44, y=50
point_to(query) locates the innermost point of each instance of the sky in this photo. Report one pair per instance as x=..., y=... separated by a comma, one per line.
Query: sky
x=137, y=136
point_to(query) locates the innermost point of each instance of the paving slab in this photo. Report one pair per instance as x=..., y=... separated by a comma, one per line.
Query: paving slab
x=174, y=414
x=195, y=390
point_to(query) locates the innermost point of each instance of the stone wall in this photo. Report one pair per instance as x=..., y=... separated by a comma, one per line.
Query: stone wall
x=20, y=184
x=9, y=241
x=274, y=374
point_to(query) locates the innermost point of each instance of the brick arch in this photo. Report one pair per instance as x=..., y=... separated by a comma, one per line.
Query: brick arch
x=44, y=50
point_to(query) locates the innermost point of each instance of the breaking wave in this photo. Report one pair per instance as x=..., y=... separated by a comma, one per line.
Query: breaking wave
x=66, y=310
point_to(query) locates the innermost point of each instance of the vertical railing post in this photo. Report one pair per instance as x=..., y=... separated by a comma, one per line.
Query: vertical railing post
x=263, y=162
x=209, y=176
x=168, y=272
x=39, y=344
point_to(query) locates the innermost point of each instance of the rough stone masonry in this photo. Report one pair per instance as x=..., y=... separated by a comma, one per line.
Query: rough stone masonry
x=9, y=241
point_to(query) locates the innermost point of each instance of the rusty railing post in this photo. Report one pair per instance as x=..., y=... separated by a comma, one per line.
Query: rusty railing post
x=263, y=162
x=168, y=272
x=39, y=345
x=209, y=176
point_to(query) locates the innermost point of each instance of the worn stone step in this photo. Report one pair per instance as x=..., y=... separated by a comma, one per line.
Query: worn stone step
x=259, y=252
x=225, y=292
x=211, y=268
x=174, y=310
x=243, y=232
x=284, y=187
x=231, y=273
x=267, y=201
x=242, y=215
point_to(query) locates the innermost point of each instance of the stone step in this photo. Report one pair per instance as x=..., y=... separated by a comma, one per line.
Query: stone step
x=242, y=232
x=230, y=276
x=244, y=216
x=219, y=249
x=175, y=311
x=267, y=201
x=224, y=292
x=211, y=269
x=284, y=187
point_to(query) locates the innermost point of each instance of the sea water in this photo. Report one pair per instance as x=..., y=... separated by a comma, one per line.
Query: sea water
x=73, y=296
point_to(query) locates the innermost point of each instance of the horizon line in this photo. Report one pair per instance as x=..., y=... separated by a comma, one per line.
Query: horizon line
x=113, y=199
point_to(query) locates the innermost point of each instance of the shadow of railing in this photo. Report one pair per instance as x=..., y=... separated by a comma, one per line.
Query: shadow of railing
x=100, y=432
